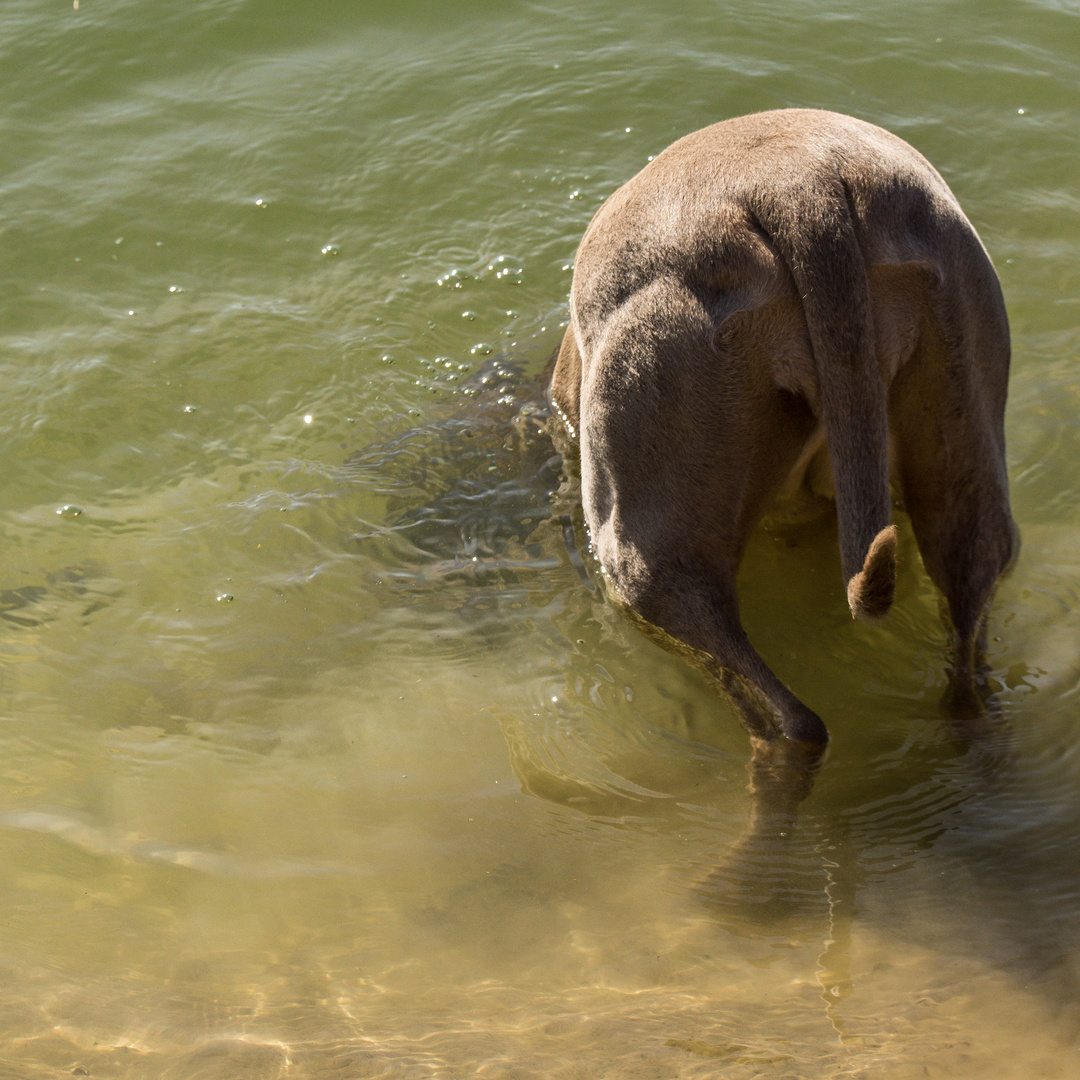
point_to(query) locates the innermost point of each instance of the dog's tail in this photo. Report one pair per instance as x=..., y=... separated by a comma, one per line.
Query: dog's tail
x=816, y=236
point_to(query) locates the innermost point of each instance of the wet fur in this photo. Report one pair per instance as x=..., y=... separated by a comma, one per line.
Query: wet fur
x=778, y=309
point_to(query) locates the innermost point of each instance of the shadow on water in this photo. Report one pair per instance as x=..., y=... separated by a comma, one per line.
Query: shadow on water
x=956, y=857
x=80, y=588
x=476, y=506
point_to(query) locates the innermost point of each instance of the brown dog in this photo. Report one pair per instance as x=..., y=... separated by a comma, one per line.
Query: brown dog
x=781, y=304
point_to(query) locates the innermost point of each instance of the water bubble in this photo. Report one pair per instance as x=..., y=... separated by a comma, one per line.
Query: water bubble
x=481, y=348
x=454, y=279
x=506, y=268
x=175, y=288
x=131, y=312
x=189, y=408
x=70, y=510
x=118, y=240
x=1020, y=112
x=568, y=267
x=470, y=315
x=575, y=194
x=627, y=130
x=308, y=418
x=331, y=249
x=260, y=202
x=225, y=598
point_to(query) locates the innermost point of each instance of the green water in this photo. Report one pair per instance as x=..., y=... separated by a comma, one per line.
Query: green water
x=322, y=754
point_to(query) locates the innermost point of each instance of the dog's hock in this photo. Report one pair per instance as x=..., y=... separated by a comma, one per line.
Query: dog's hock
x=870, y=591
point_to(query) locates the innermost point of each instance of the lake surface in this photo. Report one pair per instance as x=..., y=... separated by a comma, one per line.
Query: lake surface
x=323, y=752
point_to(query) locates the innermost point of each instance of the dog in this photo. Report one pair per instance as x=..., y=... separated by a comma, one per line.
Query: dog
x=778, y=307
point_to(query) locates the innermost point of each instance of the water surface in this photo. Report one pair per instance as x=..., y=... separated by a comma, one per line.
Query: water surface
x=323, y=753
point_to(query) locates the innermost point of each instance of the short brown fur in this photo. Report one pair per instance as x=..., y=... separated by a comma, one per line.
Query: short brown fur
x=780, y=307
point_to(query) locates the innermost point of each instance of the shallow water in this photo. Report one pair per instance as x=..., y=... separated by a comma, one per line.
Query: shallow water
x=323, y=751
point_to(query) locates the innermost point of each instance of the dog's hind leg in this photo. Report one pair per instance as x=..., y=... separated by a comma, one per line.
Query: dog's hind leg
x=946, y=412
x=697, y=604
x=695, y=601
x=682, y=445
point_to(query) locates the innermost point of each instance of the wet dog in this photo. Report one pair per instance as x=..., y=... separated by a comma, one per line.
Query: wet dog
x=782, y=307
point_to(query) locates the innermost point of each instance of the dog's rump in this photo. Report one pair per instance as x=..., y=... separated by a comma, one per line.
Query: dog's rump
x=763, y=283
x=805, y=204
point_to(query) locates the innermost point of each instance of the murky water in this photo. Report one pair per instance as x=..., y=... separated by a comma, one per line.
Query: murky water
x=323, y=753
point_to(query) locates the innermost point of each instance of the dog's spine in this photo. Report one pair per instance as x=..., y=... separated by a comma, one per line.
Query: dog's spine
x=814, y=230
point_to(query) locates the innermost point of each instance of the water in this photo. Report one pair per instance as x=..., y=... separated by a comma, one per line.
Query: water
x=418, y=800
